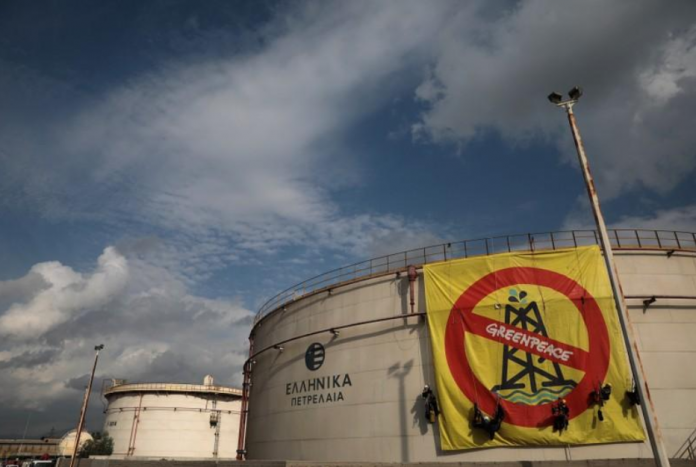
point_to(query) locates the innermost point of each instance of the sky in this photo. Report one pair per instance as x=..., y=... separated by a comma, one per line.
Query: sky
x=167, y=166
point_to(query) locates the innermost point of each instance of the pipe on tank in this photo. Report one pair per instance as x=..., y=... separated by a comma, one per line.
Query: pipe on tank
x=412, y=276
x=246, y=387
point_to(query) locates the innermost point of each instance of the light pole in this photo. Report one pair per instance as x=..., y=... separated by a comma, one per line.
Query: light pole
x=646, y=404
x=85, y=402
x=24, y=436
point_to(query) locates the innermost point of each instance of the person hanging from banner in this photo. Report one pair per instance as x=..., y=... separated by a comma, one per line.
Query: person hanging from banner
x=431, y=408
x=484, y=422
x=599, y=396
x=632, y=394
x=561, y=414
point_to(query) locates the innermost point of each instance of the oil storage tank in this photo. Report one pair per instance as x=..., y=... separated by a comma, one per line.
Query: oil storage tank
x=66, y=445
x=173, y=421
x=348, y=365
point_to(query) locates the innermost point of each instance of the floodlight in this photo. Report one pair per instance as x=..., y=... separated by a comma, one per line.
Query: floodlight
x=555, y=98
x=575, y=93
x=99, y=347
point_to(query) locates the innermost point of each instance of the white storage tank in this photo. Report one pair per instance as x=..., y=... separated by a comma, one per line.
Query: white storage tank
x=173, y=421
x=338, y=362
x=66, y=446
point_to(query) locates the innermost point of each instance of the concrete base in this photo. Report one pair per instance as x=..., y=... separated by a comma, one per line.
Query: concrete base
x=230, y=463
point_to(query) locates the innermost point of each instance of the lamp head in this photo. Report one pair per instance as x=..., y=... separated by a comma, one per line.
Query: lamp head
x=555, y=98
x=575, y=93
x=99, y=347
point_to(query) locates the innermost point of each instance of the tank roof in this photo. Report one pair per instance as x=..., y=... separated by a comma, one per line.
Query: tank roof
x=175, y=388
x=621, y=239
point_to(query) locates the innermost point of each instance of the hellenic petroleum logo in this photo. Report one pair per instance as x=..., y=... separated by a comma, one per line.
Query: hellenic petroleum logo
x=314, y=357
x=320, y=389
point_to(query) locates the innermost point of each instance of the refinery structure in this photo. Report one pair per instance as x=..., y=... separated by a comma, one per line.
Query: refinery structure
x=46, y=446
x=352, y=366
x=173, y=421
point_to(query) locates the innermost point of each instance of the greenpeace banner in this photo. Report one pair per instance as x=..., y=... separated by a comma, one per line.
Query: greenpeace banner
x=520, y=332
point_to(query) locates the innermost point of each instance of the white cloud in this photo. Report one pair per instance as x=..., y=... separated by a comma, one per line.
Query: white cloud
x=676, y=66
x=635, y=116
x=67, y=293
x=681, y=219
x=234, y=147
x=152, y=326
x=226, y=154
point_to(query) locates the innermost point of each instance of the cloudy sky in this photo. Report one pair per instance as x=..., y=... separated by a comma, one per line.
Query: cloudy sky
x=166, y=166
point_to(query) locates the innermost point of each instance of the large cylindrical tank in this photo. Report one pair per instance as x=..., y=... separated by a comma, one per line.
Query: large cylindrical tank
x=352, y=394
x=173, y=421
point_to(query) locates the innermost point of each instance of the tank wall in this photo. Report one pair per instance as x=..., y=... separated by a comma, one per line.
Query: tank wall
x=372, y=375
x=172, y=425
x=666, y=335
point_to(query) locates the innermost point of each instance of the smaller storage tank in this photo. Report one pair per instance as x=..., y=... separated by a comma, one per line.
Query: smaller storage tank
x=173, y=421
x=66, y=446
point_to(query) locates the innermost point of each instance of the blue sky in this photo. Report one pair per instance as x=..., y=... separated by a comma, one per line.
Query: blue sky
x=169, y=165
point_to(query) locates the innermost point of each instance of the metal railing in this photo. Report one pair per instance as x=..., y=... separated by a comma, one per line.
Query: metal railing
x=667, y=240
x=688, y=449
x=171, y=387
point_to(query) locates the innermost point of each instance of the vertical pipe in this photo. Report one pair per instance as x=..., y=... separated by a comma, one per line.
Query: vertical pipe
x=246, y=385
x=136, y=424
x=85, y=403
x=412, y=275
x=218, y=421
x=646, y=406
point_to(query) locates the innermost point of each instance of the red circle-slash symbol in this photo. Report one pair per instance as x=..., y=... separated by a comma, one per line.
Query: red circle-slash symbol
x=462, y=320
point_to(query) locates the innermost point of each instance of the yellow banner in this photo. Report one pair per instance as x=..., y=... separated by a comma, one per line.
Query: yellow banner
x=528, y=350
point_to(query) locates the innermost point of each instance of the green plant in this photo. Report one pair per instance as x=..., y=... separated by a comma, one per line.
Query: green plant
x=101, y=444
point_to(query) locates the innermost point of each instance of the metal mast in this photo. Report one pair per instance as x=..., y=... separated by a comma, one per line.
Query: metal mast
x=85, y=402
x=646, y=405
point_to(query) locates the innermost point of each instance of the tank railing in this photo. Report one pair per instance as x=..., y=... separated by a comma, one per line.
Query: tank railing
x=619, y=238
x=688, y=449
x=171, y=387
x=162, y=408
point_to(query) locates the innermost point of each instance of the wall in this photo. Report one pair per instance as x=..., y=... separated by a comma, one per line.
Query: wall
x=666, y=334
x=375, y=414
x=171, y=425
x=37, y=447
